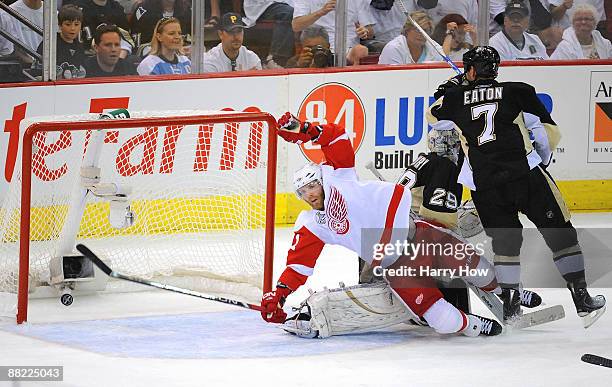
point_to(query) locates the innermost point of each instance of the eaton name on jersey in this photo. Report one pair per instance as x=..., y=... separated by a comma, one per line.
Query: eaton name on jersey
x=482, y=94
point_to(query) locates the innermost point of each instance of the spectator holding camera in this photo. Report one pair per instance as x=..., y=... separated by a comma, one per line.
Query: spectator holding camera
x=70, y=54
x=166, y=56
x=411, y=46
x=359, y=22
x=230, y=54
x=107, y=62
x=315, y=49
x=450, y=34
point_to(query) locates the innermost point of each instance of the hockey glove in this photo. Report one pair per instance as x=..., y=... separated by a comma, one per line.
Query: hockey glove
x=292, y=130
x=455, y=81
x=272, y=304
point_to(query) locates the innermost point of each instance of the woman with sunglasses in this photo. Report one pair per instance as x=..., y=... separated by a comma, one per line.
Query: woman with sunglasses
x=166, y=56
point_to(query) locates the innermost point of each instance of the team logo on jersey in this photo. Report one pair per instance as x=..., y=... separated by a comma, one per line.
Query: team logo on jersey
x=333, y=103
x=337, y=213
x=140, y=12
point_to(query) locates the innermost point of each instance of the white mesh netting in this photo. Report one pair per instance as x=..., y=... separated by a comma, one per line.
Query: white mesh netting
x=198, y=194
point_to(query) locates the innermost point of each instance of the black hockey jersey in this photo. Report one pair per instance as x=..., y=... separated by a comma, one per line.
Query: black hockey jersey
x=441, y=194
x=490, y=118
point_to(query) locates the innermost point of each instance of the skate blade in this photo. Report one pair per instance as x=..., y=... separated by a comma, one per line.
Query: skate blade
x=590, y=318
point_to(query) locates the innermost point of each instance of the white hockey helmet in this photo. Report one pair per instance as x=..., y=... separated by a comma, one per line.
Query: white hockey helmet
x=305, y=175
x=443, y=140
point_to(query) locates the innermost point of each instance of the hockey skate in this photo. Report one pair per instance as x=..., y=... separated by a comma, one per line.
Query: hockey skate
x=589, y=308
x=478, y=325
x=512, y=305
x=530, y=299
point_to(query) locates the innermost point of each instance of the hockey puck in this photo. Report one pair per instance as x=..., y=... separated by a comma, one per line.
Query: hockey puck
x=597, y=360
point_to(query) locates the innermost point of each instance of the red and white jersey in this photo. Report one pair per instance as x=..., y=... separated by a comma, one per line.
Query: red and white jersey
x=356, y=215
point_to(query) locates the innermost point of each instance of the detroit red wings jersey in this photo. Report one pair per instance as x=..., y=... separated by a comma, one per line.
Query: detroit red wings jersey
x=357, y=214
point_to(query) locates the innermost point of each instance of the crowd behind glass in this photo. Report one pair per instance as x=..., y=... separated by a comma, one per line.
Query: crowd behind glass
x=98, y=38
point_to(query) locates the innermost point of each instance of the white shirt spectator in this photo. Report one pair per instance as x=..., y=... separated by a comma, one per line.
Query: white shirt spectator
x=30, y=38
x=532, y=49
x=253, y=9
x=466, y=8
x=570, y=47
x=6, y=23
x=389, y=23
x=215, y=60
x=356, y=11
x=396, y=52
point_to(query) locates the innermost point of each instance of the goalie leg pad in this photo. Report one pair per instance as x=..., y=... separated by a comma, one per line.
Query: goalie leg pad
x=445, y=318
x=348, y=310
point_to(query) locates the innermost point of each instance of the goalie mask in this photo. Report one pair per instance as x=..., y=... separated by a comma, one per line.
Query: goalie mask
x=444, y=142
x=306, y=176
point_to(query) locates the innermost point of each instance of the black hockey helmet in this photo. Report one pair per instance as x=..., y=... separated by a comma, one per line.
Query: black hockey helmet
x=484, y=59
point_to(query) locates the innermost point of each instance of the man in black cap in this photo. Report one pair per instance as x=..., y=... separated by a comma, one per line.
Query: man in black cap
x=230, y=54
x=513, y=42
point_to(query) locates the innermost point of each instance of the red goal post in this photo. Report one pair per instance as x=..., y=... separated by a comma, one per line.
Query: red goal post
x=231, y=122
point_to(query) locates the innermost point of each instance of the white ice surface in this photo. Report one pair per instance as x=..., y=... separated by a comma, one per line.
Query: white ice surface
x=163, y=339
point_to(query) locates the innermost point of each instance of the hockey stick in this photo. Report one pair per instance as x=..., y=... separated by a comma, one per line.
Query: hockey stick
x=597, y=360
x=111, y=273
x=435, y=44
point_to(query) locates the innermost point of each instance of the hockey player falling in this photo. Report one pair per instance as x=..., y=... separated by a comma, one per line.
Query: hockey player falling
x=351, y=213
x=506, y=175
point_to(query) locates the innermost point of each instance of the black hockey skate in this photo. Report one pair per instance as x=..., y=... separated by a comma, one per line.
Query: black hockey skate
x=488, y=327
x=530, y=299
x=512, y=305
x=589, y=308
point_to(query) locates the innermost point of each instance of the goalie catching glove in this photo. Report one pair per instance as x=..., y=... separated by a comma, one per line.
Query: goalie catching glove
x=292, y=130
x=272, y=304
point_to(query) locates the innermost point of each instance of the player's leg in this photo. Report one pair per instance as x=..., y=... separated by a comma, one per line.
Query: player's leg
x=420, y=295
x=547, y=210
x=498, y=210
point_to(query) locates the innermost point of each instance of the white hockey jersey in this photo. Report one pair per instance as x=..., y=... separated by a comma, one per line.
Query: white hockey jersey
x=357, y=215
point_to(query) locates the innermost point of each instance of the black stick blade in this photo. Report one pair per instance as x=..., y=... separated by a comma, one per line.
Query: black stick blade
x=94, y=258
x=597, y=360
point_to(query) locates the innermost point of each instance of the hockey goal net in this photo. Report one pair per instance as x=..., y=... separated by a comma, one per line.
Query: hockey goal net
x=185, y=197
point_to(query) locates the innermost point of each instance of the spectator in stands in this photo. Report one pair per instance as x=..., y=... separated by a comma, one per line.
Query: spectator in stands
x=316, y=50
x=513, y=42
x=582, y=40
x=166, y=56
x=539, y=11
x=359, y=22
x=107, y=62
x=230, y=54
x=33, y=11
x=69, y=54
x=411, y=46
x=466, y=8
x=149, y=12
x=6, y=23
x=282, y=45
x=389, y=18
x=450, y=34
x=600, y=8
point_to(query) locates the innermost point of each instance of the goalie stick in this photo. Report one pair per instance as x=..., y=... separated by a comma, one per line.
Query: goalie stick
x=597, y=360
x=111, y=273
